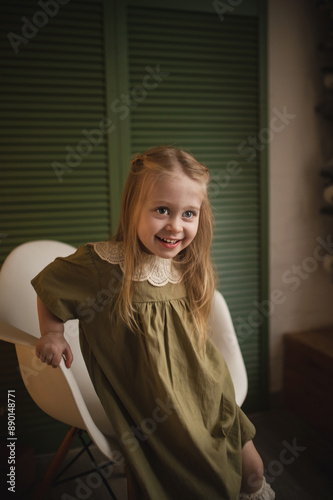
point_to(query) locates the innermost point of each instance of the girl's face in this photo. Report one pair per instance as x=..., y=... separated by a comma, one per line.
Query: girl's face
x=169, y=216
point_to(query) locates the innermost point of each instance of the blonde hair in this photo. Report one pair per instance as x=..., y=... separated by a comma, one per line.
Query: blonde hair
x=194, y=260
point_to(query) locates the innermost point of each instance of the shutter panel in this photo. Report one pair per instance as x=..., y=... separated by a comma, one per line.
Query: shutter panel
x=51, y=90
x=209, y=104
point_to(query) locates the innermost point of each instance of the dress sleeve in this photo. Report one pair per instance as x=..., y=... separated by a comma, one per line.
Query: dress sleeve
x=68, y=284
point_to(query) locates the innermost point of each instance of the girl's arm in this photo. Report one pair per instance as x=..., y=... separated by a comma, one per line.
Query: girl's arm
x=52, y=345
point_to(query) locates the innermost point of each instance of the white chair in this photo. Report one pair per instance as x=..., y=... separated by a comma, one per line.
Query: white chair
x=68, y=394
x=224, y=337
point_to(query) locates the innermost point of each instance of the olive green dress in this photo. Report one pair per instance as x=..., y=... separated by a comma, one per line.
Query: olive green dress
x=173, y=408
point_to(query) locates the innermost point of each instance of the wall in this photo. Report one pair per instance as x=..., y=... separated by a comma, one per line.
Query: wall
x=296, y=155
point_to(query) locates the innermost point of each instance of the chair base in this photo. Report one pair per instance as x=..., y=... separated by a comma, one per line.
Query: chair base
x=130, y=495
x=52, y=473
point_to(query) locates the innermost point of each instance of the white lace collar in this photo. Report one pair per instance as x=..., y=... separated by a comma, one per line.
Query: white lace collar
x=155, y=270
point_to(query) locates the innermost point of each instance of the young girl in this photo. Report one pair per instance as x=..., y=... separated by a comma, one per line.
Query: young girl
x=162, y=382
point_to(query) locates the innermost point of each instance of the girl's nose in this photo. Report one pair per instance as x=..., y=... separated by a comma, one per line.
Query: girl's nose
x=174, y=226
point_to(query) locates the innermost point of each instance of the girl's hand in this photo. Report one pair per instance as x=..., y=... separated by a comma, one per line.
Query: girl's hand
x=51, y=347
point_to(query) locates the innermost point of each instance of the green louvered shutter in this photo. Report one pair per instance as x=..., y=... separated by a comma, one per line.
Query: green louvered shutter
x=51, y=90
x=209, y=103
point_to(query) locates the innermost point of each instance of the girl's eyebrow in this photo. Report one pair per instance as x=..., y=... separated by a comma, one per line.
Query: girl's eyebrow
x=167, y=204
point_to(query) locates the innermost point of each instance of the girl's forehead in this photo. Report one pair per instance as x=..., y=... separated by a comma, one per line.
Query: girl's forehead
x=175, y=186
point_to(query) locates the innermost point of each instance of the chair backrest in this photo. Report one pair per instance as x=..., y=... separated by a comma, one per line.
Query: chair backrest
x=17, y=296
x=225, y=339
x=18, y=307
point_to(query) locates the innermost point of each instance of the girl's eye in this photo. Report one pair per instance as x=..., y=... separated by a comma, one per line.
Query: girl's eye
x=188, y=214
x=162, y=211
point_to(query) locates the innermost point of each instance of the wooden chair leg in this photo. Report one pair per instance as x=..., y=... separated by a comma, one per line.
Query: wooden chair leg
x=130, y=495
x=56, y=463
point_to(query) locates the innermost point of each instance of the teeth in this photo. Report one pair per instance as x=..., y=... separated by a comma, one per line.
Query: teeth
x=168, y=241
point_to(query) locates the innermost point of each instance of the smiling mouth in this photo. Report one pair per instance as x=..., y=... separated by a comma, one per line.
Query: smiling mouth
x=168, y=241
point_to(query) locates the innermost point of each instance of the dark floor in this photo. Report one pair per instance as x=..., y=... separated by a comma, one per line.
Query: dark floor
x=298, y=460
x=298, y=463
